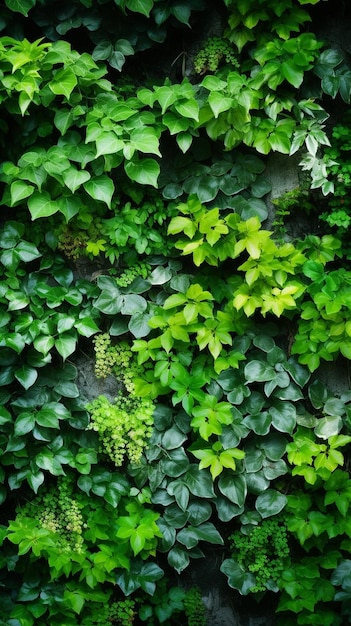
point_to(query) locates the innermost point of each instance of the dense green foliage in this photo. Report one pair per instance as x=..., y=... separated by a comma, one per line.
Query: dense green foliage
x=138, y=234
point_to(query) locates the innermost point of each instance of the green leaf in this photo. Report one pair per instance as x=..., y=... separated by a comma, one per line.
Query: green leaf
x=26, y=376
x=237, y=577
x=46, y=460
x=143, y=171
x=140, y=6
x=20, y=6
x=178, y=558
x=283, y=416
x=74, y=178
x=24, y=424
x=64, y=82
x=66, y=344
x=145, y=140
x=258, y=371
x=291, y=73
x=86, y=327
x=181, y=12
x=219, y=103
x=198, y=482
x=19, y=191
x=175, y=463
x=318, y=394
x=132, y=303
x=188, y=108
x=100, y=188
x=27, y=251
x=233, y=486
x=172, y=438
x=271, y=502
x=177, y=489
x=74, y=600
x=40, y=204
x=328, y=426
x=184, y=141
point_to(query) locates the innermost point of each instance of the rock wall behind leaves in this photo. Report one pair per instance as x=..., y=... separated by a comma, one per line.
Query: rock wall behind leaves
x=175, y=298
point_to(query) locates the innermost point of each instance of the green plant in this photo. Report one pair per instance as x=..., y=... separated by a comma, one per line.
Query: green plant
x=212, y=53
x=124, y=426
x=119, y=613
x=323, y=330
x=194, y=607
x=259, y=557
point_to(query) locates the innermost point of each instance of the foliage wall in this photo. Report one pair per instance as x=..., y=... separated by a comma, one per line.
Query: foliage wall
x=135, y=136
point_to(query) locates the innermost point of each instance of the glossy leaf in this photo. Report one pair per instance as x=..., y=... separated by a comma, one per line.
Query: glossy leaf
x=271, y=502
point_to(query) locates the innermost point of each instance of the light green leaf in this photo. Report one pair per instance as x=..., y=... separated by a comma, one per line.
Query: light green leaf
x=41, y=205
x=20, y=190
x=100, y=188
x=184, y=141
x=144, y=172
x=189, y=108
x=219, y=103
x=75, y=178
x=64, y=82
x=145, y=140
x=86, y=327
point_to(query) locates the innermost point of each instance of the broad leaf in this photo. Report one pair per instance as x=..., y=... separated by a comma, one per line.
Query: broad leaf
x=237, y=577
x=271, y=502
x=233, y=486
x=26, y=376
x=100, y=188
x=143, y=171
x=41, y=205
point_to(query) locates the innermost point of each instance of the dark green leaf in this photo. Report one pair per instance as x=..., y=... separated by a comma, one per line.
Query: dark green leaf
x=233, y=486
x=237, y=577
x=271, y=502
x=26, y=376
x=178, y=558
x=173, y=438
x=199, y=482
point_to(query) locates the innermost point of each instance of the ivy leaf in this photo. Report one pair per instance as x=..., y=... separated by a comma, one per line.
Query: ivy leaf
x=64, y=82
x=24, y=424
x=144, y=171
x=145, y=140
x=40, y=204
x=100, y=188
x=20, y=6
x=182, y=13
x=26, y=376
x=233, y=487
x=86, y=327
x=199, y=483
x=140, y=6
x=237, y=577
x=271, y=502
x=74, y=178
x=178, y=558
x=283, y=416
x=19, y=191
x=66, y=344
